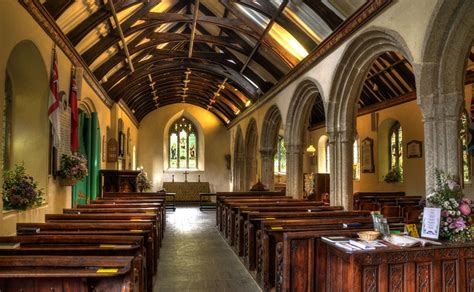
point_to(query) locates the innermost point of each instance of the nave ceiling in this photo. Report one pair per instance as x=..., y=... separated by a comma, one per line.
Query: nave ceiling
x=221, y=55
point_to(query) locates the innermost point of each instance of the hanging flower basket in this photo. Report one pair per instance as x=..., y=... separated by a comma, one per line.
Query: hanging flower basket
x=65, y=182
x=73, y=169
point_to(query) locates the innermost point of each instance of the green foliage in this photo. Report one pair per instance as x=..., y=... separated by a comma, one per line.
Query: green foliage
x=394, y=175
x=20, y=191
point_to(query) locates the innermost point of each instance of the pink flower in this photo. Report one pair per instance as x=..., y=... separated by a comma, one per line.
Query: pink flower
x=445, y=213
x=465, y=209
x=458, y=224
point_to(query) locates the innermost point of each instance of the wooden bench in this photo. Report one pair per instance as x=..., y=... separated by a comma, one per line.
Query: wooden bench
x=111, y=218
x=83, y=245
x=92, y=230
x=73, y=273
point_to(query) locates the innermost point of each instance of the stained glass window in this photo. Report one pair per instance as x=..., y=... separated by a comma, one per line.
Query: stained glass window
x=395, y=136
x=466, y=160
x=183, y=145
x=280, y=156
x=356, y=162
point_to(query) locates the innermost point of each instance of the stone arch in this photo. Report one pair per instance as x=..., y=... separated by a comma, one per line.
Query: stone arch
x=440, y=88
x=251, y=140
x=238, y=164
x=297, y=121
x=29, y=128
x=268, y=145
x=87, y=106
x=342, y=104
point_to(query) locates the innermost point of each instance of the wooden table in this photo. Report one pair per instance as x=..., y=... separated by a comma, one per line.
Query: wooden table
x=436, y=268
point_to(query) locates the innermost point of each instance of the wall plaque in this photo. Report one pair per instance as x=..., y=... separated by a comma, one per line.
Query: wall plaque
x=367, y=153
x=112, y=150
x=414, y=149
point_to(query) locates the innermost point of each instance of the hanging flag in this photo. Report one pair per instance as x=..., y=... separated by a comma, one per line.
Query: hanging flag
x=54, y=102
x=470, y=147
x=74, y=113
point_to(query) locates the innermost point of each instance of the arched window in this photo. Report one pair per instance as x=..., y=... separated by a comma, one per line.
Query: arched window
x=395, y=136
x=183, y=145
x=328, y=161
x=356, y=160
x=466, y=159
x=280, y=156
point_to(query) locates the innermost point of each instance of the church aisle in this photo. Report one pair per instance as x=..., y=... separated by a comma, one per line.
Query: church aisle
x=194, y=257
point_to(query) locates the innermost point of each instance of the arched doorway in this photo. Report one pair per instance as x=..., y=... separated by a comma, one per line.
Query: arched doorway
x=89, y=146
x=268, y=145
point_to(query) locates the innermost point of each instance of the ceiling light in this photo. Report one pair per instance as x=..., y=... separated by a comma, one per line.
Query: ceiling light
x=248, y=103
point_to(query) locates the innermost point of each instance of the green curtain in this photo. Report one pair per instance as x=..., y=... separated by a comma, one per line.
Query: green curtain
x=89, y=146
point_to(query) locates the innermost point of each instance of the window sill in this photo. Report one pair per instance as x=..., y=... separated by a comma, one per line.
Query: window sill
x=14, y=211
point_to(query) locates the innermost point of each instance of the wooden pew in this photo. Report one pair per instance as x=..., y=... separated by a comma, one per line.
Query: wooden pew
x=222, y=204
x=222, y=195
x=106, y=211
x=111, y=218
x=83, y=245
x=232, y=208
x=159, y=207
x=122, y=228
x=70, y=273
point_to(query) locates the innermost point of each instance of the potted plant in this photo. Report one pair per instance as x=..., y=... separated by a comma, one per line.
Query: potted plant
x=20, y=191
x=143, y=183
x=393, y=176
x=73, y=169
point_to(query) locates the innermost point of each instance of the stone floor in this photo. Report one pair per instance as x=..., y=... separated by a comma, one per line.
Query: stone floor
x=194, y=257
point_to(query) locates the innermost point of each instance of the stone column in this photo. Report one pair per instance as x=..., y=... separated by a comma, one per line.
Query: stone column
x=267, y=169
x=250, y=172
x=294, y=171
x=441, y=135
x=340, y=158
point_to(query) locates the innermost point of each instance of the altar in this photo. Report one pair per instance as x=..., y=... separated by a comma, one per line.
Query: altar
x=187, y=191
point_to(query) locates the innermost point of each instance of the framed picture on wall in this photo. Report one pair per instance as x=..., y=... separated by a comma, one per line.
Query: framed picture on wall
x=414, y=149
x=367, y=155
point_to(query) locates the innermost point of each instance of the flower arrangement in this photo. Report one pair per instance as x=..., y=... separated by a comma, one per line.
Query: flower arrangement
x=455, y=208
x=20, y=191
x=73, y=167
x=393, y=176
x=143, y=183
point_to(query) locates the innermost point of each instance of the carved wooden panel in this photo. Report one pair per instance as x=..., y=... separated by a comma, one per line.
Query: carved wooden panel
x=396, y=276
x=423, y=277
x=449, y=269
x=370, y=279
x=470, y=275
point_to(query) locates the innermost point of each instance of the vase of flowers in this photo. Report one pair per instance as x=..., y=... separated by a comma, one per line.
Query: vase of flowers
x=455, y=208
x=20, y=191
x=73, y=169
x=143, y=183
